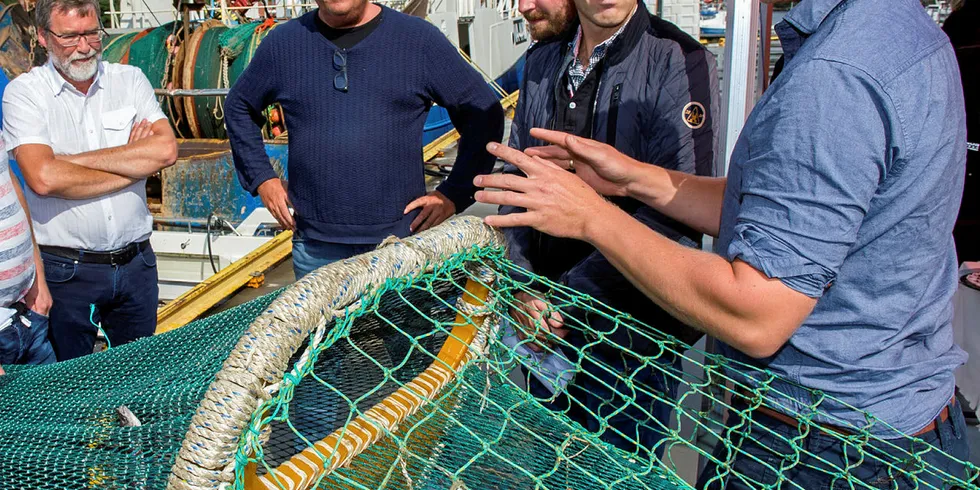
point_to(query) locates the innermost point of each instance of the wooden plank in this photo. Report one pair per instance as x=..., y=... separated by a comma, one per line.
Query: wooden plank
x=216, y=288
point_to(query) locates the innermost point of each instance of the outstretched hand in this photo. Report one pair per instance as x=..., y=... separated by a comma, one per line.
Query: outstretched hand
x=601, y=166
x=557, y=201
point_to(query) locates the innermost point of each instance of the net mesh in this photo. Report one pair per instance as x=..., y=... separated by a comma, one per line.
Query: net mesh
x=117, y=46
x=235, y=40
x=60, y=428
x=421, y=381
x=149, y=54
x=486, y=429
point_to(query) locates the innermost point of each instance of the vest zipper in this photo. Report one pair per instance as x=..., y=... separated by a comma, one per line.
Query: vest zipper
x=562, y=68
x=613, y=115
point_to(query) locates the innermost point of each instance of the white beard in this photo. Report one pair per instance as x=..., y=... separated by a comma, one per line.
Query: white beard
x=78, y=72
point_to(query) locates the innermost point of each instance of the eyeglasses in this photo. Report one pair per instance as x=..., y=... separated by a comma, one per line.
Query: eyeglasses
x=340, y=62
x=72, y=40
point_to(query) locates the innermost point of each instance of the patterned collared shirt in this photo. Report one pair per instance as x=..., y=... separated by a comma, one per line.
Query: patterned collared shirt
x=576, y=70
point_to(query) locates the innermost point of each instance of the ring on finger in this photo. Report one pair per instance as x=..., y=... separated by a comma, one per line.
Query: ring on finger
x=571, y=165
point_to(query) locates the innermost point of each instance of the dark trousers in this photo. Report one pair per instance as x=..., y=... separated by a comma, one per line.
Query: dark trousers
x=620, y=390
x=125, y=298
x=966, y=236
x=25, y=340
x=765, y=453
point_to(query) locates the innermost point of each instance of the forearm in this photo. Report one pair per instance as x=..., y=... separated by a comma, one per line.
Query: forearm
x=38, y=263
x=137, y=160
x=477, y=128
x=692, y=200
x=61, y=178
x=474, y=111
x=701, y=289
x=244, y=122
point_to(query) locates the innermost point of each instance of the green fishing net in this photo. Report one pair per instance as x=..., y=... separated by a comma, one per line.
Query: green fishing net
x=234, y=40
x=368, y=391
x=60, y=427
x=149, y=54
x=117, y=46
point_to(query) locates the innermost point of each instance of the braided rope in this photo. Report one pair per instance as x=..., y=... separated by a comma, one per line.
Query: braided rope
x=206, y=457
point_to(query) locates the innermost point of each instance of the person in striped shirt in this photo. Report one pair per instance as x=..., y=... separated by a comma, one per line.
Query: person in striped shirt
x=24, y=297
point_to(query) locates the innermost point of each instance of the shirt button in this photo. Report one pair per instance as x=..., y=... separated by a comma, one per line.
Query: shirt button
x=90, y=131
x=571, y=105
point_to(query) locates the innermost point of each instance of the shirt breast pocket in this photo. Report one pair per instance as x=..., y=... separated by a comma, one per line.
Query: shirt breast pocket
x=117, y=124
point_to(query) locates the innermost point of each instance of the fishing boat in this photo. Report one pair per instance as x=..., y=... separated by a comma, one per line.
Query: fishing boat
x=713, y=22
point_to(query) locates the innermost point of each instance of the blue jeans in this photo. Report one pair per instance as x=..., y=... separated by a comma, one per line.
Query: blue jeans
x=25, y=340
x=764, y=453
x=125, y=299
x=309, y=254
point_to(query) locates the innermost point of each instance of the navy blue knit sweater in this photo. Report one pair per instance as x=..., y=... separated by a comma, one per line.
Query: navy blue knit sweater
x=355, y=157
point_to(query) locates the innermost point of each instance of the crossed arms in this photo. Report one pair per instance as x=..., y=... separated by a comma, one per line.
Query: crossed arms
x=151, y=148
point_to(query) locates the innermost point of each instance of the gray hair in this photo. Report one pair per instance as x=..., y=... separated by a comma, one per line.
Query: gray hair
x=43, y=9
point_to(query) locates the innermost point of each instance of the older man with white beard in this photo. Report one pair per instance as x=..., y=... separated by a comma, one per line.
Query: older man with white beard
x=86, y=134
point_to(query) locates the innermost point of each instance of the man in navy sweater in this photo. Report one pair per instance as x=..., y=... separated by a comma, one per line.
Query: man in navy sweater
x=356, y=80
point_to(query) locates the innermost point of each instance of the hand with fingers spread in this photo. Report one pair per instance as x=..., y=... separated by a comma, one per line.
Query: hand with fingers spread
x=274, y=197
x=601, y=166
x=557, y=202
x=140, y=130
x=530, y=312
x=436, y=208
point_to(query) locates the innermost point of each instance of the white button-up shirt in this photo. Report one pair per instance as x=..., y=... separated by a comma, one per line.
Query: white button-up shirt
x=41, y=107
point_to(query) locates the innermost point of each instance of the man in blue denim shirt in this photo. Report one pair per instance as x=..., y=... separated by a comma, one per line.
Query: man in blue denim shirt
x=837, y=265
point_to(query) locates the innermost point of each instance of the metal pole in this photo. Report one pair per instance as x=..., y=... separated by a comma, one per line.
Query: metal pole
x=113, y=21
x=765, y=36
x=224, y=12
x=192, y=92
x=741, y=50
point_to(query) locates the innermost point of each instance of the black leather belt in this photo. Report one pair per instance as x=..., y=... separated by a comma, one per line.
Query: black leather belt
x=120, y=256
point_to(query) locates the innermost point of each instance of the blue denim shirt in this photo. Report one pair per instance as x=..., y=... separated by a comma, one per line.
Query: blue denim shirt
x=844, y=185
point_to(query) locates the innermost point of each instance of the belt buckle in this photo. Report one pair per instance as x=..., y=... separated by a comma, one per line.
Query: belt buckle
x=116, y=257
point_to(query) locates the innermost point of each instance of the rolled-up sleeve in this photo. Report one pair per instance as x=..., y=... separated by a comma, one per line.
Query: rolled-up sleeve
x=815, y=159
